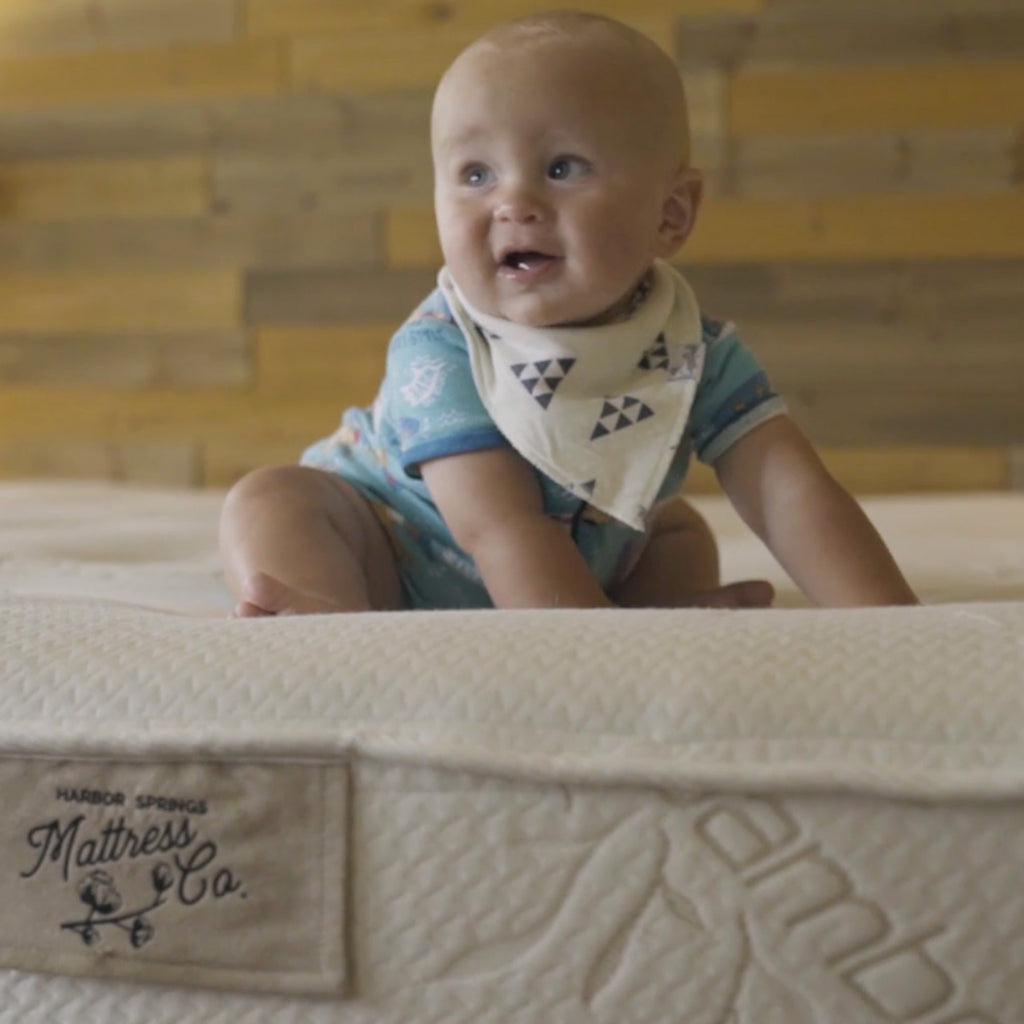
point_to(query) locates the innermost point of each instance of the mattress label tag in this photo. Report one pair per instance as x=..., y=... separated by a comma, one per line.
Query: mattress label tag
x=217, y=874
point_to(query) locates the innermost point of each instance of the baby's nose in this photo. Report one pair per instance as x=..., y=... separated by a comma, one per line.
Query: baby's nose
x=520, y=204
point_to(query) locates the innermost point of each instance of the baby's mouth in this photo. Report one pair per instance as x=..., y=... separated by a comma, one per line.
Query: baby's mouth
x=525, y=260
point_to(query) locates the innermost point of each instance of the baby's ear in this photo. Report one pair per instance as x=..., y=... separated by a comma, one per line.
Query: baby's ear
x=679, y=212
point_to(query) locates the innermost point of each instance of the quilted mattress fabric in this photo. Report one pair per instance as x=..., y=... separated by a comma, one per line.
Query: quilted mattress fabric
x=791, y=816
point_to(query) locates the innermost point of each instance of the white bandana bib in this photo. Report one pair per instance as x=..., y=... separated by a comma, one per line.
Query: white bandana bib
x=600, y=410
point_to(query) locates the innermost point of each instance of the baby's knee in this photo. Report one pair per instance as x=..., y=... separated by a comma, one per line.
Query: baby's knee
x=277, y=485
x=678, y=516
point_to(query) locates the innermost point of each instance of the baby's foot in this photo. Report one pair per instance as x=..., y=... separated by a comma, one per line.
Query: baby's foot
x=264, y=595
x=744, y=594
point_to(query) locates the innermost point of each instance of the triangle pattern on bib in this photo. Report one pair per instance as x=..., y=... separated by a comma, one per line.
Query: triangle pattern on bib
x=656, y=357
x=542, y=378
x=620, y=413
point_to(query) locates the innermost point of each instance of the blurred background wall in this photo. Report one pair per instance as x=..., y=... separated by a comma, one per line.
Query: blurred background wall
x=214, y=212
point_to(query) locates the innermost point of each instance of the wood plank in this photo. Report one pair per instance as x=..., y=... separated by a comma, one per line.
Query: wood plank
x=330, y=185
x=342, y=364
x=129, y=360
x=854, y=228
x=252, y=242
x=161, y=415
x=167, y=463
x=158, y=75
x=888, y=227
x=933, y=292
x=362, y=62
x=790, y=34
x=120, y=302
x=805, y=167
x=314, y=125
x=1017, y=468
x=786, y=167
x=95, y=189
x=898, y=469
x=226, y=460
x=837, y=100
x=317, y=17
x=829, y=351
x=889, y=415
x=380, y=60
x=28, y=26
x=918, y=468
x=707, y=98
x=330, y=296
x=129, y=129
x=970, y=161
x=410, y=237
x=310, y=125
x=961, y=288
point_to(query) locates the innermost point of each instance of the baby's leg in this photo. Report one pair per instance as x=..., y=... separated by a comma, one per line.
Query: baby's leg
x=296, y=540
x=679, y=567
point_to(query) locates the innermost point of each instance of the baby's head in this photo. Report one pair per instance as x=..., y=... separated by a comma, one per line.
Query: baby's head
x=561, y=168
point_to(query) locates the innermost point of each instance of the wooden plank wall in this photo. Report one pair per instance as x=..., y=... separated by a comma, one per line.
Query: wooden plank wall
x=213, y=212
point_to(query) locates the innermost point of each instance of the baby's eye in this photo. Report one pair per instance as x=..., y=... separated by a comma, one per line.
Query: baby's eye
x=565, y=167
x=475, y=174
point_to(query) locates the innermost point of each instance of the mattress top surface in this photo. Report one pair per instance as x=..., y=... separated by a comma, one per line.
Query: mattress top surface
x=116, y=638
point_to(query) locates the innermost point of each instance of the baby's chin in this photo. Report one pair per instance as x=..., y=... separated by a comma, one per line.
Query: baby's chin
x=533, y=309
x=542, y=316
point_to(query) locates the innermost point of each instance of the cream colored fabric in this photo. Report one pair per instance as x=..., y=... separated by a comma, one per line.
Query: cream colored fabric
x=792, y=816
x=600, y=410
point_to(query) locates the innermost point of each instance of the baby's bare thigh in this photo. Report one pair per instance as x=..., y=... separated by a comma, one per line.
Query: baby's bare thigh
x=311, y=530
x=352, y=517
x=679, y=559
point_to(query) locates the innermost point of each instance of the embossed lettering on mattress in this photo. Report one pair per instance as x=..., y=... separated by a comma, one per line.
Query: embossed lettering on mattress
x=227, y=875
x=803, y=886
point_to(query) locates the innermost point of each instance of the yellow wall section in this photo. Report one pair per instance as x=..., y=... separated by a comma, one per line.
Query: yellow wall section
x=162, y=76
x=831, y=101
x=126, y=302
x=97, y=189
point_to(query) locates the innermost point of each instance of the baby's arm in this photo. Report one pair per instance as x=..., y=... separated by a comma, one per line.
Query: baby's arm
x=815, y=529
x=491, y=501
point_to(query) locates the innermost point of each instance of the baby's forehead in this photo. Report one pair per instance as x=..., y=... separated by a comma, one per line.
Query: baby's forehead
x=598, y=72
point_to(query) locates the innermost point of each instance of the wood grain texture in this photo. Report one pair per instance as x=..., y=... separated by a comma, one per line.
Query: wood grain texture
x=809, y=167
x=213, y=213
x=424, y=18
x=96, y=189
x=856, y=99
x=343, y=365
x=119, y=302
x=366, y=60
x=168, y=464
x=897, y=469
x=329, y=184
x=156, y=75
x=62, y=26
x=270, y=241
x=883, y=227
x=271, y=125
x=157, y=415
x=329, y=296
x=129, y=360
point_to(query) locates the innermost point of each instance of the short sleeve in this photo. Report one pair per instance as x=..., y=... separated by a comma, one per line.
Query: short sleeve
x=429, y=396
x=734, y=394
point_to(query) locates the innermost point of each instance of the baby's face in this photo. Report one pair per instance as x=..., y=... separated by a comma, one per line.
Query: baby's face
x=549, y=192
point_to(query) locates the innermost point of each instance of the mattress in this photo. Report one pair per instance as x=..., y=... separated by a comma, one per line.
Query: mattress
x=788, y=816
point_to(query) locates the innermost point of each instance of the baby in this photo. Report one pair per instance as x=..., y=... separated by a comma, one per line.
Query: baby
x=540, y=408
